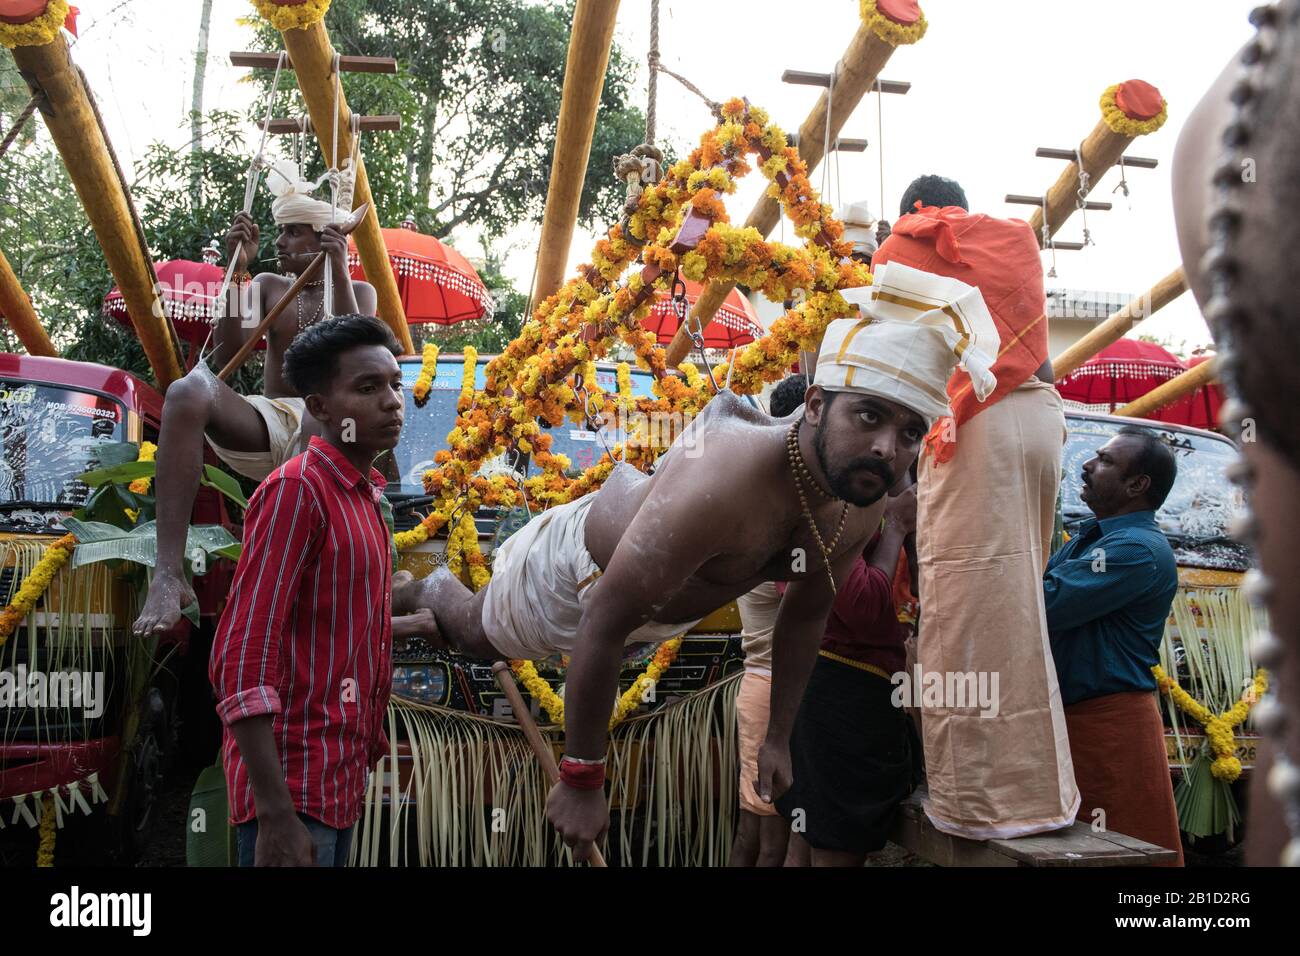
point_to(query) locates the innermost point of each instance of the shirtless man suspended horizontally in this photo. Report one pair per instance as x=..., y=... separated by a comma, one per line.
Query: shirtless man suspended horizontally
x=740, y=499
x=252, y=434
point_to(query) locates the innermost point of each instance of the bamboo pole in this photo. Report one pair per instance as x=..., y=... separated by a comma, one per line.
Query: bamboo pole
x=1101, y=150
x=540, y=745
x=76, y=131
x=313, y=60
x=584, y=78
x=1171, y=391
x=1119, y=324
x=17, y=310
x=855, y=74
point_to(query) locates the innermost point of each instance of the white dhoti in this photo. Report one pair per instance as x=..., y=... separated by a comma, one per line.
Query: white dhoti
x=542, y=579
x=283, y=417
x=984, y=525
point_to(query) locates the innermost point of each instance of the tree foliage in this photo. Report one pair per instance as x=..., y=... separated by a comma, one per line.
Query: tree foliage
x=478, y=88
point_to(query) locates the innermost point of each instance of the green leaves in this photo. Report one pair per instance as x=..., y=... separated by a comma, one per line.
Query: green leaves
x=214, y=477
x=97, y=541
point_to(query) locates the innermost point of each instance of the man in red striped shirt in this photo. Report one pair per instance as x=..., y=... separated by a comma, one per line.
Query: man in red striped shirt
x=302, y=659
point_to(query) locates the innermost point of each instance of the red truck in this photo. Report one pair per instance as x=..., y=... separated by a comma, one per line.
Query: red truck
x=100, y=758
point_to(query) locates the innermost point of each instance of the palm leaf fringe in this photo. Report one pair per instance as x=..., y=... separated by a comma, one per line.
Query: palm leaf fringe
x=476, y=795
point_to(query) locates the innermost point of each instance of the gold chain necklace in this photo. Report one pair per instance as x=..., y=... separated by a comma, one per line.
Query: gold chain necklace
x=802, y=475
x=319, y=309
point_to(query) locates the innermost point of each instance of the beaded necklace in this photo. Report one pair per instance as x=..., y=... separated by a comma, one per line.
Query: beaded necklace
x=801, y=477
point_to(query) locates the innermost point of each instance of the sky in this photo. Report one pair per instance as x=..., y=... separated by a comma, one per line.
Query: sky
x=991, y=82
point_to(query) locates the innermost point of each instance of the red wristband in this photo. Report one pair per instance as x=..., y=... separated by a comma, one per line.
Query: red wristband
x=581, y=776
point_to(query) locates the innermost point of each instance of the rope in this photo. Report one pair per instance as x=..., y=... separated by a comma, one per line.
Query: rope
x=255, y=167
x=880, y=141
x=20, y=122
x=135, y=213
x=714, y=106
x=652, y=60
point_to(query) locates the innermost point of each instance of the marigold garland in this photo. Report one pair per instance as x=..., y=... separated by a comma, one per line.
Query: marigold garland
x=1123, y=124
x=35, y=584
x=38, y=31
x=537, y=377
x=629, y=700
x=892, y=32
x=299, y=16
x=1218, y=727
x=147, y=452
x=428, y=372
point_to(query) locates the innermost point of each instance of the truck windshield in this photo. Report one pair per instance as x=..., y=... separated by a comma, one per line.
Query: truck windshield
x=1202, y=502
x=425, y=429
x=47, y=432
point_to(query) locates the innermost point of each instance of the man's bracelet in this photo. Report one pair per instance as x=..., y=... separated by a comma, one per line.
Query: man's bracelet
x=582, y=775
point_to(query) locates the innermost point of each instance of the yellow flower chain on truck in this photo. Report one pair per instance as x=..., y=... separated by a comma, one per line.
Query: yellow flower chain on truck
x=35, y=584
x=428, y=372
x=1218, y=727
x=551, y=702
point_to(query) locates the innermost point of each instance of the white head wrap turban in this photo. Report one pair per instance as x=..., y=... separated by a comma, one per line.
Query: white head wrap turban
x=294, y=202
x=857, y=221
x=916, y=328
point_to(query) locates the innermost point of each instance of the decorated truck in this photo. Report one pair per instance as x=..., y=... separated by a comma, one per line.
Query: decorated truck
x=457, y=757
x=89, y=714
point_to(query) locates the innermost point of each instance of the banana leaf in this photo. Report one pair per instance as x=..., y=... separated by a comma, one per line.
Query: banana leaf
x=127, y=472
x=97, y=541
x=114, y=453
x=217, y=479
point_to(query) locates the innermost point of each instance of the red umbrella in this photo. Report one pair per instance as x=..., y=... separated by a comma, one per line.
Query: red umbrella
x=188, y=290
x=437, y=284
x=1201, y=408
x=735, y=324
x=1118, y=374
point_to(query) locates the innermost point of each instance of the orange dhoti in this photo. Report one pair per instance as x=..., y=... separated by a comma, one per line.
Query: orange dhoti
x=984, y=525
x=1117, y=743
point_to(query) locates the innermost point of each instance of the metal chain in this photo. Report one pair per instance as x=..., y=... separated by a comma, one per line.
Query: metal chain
x=1081, y=195
x=1047, y=240
x=696, y=333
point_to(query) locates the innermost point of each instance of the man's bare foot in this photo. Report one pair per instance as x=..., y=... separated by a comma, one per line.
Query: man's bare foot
x=168, y=595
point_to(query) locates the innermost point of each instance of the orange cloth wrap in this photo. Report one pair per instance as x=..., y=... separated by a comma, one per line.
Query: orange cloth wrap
x=1000, y=258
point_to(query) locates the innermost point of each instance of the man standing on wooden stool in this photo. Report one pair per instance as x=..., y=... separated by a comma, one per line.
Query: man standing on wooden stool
x=986, y=505
x=252, y=434
x=1108, y=592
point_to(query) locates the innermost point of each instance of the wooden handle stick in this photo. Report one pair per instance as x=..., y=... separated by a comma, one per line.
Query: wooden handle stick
x=307, y=275
x=542, y=749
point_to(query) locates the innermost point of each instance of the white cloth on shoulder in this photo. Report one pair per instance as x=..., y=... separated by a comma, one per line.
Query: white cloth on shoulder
x=916, y=328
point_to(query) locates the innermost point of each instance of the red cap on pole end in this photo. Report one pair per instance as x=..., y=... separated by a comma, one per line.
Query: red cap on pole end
x=22, y=11
x=1139, y=100
x=902, y=12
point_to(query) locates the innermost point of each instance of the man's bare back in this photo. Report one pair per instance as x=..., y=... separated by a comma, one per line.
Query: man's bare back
x=729, y=471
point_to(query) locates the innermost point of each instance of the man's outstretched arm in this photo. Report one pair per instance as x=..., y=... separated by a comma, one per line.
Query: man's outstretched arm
x=644, y=572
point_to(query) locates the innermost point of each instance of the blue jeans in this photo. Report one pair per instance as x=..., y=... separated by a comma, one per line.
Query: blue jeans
x=331, y=845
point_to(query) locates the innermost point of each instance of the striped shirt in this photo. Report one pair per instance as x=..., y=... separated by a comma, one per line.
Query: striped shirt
x=307, y=634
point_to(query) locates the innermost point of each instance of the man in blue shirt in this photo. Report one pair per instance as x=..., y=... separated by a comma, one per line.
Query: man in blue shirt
x=1108, y=592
